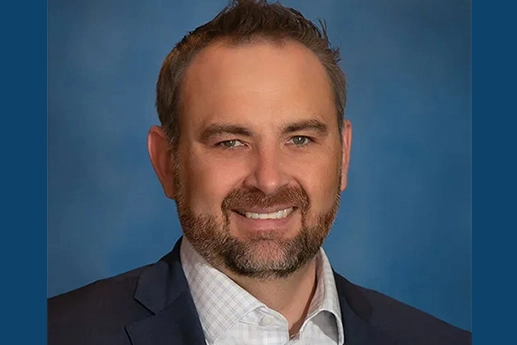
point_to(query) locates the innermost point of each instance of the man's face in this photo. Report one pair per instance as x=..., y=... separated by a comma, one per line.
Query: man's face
x=260, y=164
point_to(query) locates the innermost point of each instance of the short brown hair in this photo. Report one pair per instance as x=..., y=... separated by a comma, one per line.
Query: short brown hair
x=243, y=21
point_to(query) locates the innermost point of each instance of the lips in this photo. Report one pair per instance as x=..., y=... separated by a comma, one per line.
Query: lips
x=266, y=214
x=254, y=204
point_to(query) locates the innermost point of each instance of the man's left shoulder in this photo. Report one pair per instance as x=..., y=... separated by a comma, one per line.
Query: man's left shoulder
x=409, y=325
x=412, y=323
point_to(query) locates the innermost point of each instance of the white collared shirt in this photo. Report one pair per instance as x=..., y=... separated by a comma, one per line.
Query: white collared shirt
x=230, y=315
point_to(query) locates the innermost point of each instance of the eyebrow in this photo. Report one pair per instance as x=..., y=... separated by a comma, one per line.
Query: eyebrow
x=313, y=125
x=216, y=129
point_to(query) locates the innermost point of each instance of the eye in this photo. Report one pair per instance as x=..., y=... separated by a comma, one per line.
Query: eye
x=230, y=144
x=300, y=140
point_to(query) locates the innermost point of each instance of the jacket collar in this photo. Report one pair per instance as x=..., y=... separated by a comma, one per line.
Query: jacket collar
x=356, y=312
x=163, y=290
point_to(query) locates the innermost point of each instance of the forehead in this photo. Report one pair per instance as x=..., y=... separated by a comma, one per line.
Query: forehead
x=259, y=81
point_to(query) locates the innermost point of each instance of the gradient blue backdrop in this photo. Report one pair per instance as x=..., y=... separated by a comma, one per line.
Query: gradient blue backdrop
x=404, y=227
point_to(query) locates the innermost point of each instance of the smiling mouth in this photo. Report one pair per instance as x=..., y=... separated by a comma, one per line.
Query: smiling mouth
x=281, y=214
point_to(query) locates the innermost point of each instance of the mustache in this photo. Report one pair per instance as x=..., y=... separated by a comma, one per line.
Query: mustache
x=247, y=198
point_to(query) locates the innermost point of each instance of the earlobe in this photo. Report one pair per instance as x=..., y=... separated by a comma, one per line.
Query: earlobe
x=162, y=159
x=346, y=149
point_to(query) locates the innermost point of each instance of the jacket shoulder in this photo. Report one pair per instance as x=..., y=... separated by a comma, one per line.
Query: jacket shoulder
x=411, y=325
x=96, y=313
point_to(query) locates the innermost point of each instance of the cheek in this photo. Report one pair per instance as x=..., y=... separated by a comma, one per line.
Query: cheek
x=207, y=183
x=321, y=182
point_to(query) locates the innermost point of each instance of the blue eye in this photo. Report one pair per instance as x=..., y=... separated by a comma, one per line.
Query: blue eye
x=300, y=140
x=230, y=144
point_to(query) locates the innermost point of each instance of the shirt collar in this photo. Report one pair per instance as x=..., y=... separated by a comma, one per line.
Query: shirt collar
x=220, y=302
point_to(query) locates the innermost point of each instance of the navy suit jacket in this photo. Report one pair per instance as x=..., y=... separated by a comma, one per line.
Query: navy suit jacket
x=152, y=305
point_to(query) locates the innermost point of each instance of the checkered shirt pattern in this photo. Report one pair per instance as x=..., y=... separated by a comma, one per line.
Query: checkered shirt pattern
x=230, y=315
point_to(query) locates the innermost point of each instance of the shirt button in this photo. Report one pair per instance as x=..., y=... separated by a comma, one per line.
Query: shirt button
x=267, y=320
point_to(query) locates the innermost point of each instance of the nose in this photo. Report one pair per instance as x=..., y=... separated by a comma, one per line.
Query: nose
x=267, y=173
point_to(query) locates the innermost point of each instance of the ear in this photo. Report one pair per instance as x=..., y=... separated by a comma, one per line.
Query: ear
x=162, y=159
x=347, y=143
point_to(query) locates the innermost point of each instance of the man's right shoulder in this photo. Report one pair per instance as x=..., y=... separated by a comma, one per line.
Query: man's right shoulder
x=95, y=313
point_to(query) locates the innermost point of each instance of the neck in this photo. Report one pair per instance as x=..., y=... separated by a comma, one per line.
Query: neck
x=289, y=296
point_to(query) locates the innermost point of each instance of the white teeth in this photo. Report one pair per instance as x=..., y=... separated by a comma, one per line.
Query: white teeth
x=275, y=215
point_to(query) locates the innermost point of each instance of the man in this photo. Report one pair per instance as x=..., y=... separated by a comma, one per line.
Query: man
x=254, y=149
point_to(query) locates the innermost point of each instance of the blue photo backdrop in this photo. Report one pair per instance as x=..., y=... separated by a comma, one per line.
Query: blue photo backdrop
x=404, y=226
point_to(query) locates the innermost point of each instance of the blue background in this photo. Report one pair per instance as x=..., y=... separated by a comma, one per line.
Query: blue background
x=404, y=227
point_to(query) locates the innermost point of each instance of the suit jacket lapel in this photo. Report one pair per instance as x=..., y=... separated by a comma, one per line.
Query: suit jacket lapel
x=356, y=312
x=175, y=325
x=163, y=290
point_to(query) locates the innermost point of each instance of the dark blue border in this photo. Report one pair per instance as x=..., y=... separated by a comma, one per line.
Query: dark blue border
x=494, y=173
x=24, y=162
x=24, y=146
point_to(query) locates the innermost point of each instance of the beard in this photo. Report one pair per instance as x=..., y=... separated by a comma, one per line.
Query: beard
x=266, y=254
